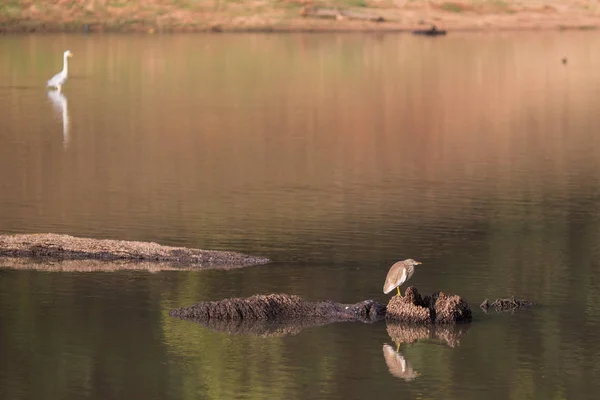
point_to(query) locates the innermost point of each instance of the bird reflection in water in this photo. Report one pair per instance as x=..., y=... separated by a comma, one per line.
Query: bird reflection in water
x=447, y=335
x=397, y=364
x=59, y=101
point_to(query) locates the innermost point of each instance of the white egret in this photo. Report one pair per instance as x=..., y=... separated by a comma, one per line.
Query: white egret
x=59, y=79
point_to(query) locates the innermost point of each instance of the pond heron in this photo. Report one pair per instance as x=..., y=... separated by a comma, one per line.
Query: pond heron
x=59, y=79
x=399, y=273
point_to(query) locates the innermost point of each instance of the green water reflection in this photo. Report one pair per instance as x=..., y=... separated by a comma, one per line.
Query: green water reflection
x=334, y=155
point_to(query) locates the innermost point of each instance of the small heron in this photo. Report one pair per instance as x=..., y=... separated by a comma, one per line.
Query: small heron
x=399, y=273
x=59, y=79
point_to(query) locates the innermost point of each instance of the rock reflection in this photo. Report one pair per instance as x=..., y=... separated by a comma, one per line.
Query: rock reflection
x=262, y=328
x=59, y=101
x=397, y=364
x=449, y=335
x=52, y=265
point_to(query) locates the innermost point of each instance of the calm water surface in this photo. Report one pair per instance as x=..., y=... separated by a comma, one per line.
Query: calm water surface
x=335, y=155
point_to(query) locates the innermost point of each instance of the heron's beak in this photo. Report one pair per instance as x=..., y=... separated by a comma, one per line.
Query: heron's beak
x=70, y=55
x=419, y=263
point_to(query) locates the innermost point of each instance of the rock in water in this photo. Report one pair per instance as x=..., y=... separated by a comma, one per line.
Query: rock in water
x=438, y=308
x=508, y=304
x=280, y=307
x=280, y=314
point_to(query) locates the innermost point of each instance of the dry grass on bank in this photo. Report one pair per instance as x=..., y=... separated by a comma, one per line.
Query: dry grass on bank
x=285, y=15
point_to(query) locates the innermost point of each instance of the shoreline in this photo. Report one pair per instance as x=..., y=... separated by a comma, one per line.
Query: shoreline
x=298, y=16
x=108, y=28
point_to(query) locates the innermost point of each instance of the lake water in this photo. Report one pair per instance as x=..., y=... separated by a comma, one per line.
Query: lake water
x=334, y=155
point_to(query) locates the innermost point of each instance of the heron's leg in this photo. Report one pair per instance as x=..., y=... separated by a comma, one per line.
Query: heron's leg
x=399, y=294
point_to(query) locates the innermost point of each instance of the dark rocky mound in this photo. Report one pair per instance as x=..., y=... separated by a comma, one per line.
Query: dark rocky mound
x=508, y=304
x=438, y=308
x=280, y=307
x=65, y=247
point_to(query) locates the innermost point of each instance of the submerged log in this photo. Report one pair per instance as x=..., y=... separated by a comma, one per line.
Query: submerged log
x=280, y=307
x=507, y=304
x=438, y=308
x=65, y=247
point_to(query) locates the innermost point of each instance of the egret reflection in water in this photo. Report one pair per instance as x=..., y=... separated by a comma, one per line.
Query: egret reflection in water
x=59, y=101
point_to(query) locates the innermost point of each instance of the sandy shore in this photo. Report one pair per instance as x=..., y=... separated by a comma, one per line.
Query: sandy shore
x=47, y=248
x=159, y=16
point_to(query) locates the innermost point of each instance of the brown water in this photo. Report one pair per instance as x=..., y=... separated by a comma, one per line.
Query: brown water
x=335, y=155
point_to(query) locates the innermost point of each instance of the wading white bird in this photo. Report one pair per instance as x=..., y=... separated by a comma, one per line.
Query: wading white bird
x=399, y=273
x=59, y=79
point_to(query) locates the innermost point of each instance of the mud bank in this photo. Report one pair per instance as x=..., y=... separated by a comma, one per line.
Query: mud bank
x=45, y=247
